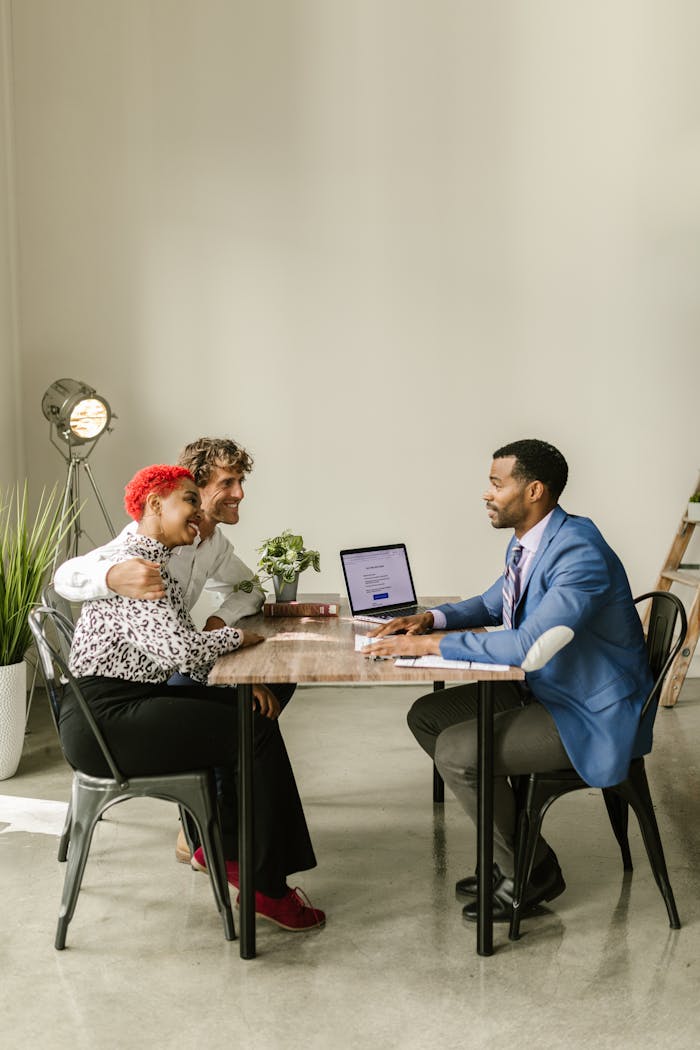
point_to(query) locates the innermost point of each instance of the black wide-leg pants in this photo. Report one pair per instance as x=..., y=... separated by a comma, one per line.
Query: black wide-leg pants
x=172, y=729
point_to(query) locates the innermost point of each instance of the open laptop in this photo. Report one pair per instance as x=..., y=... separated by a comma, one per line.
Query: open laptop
x=379, y=582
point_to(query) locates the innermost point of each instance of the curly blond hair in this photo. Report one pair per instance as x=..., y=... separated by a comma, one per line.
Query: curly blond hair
x=200, y=457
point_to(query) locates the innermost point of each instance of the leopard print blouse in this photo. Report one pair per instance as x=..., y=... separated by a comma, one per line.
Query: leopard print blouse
x=146, y=641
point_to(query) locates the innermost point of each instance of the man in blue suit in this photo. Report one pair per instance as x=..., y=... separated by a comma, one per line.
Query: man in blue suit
x=565, y=604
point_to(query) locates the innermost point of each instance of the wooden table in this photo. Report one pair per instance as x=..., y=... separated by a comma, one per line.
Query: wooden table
x=321, y=649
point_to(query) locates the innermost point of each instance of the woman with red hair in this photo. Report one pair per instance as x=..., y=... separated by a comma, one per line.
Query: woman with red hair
x=123, y=653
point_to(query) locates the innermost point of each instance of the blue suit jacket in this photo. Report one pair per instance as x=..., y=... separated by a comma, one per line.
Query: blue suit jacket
x=595, y=687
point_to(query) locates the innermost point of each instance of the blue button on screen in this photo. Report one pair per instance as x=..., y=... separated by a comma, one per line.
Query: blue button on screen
x=378, y=597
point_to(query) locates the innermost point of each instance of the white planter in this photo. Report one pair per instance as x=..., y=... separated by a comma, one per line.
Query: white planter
x=13, y=712
x=693, y=512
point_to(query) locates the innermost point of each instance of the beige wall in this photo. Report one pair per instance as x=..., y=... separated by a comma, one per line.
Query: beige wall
x=11, y=465
x=310, y=223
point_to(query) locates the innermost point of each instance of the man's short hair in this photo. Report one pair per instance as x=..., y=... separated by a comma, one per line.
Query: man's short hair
x=200, y=457
x=537, y=461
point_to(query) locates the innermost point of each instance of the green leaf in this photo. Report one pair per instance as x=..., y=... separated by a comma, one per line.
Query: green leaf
x=27, y=549
x=248, y=586
x=285, y=556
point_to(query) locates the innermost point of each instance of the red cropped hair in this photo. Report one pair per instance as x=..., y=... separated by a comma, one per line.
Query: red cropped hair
x=160, y=479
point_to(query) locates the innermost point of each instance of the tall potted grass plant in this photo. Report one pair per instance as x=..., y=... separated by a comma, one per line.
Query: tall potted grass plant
x=28, y=544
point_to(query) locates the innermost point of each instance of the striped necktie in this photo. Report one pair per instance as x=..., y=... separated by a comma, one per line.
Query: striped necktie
x=511, y=586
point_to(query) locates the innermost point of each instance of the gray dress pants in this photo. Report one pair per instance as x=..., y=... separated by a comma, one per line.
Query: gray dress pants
x=526, y=740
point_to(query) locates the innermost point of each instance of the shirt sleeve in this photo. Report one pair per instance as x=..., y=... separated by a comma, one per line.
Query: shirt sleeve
x=577, y=587
x=85, y=578
x=226, y=574
x=484, y=610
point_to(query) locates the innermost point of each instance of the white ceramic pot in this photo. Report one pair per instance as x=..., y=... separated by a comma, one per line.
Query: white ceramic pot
x=13, y=713
x=693, y=512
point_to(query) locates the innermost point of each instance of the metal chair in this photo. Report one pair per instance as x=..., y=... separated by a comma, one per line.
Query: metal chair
x=63, y=630
x=92, y=796
x=51, y=597
x=543, y=788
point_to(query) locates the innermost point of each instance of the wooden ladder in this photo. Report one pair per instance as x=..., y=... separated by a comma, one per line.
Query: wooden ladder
x=674, y=571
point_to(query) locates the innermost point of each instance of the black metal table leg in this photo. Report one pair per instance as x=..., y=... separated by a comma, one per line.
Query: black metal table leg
x=484, y=867
x=245, y=822
x=438, y=782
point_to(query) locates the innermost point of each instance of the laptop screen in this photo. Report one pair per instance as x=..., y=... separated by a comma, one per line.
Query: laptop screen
x=378, y=577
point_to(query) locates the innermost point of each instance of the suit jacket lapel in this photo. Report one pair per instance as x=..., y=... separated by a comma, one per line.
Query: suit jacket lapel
x=556, y=521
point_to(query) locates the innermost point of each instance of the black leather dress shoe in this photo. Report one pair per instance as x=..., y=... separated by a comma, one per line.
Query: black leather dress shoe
x=546, y=883
x=466, y=887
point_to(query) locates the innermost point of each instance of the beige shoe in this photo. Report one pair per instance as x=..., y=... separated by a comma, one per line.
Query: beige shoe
x=182, y=850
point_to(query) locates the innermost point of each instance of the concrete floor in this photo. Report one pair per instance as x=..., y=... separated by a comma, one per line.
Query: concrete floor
x=147, y=965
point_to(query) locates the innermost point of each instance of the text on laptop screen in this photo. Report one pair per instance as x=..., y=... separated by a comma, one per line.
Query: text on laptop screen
x=378, y=578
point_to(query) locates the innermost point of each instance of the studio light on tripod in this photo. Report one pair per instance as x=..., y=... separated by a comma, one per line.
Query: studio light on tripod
x=78, y=412
x=79, y=416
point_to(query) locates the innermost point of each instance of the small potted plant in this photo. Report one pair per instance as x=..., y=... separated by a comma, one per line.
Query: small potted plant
x=27, y=549
x=694, y=507
x=283, y=558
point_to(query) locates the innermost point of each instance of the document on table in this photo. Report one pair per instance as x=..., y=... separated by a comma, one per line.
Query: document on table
x=361, y=640
x=454, y=665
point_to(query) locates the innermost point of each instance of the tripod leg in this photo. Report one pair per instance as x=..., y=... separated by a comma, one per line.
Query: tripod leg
x=98, y=497
x=69, y=499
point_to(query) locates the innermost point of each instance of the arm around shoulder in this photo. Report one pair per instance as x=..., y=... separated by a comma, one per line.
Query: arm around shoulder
x=85, y=578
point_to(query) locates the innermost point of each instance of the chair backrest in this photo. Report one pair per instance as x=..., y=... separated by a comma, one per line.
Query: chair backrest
x=52, y=631
x=667, y=611
x=51, y=598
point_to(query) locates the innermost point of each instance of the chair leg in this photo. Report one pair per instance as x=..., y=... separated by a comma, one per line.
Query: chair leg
x=618, y=811
x=201, y=807
x=529, y=823
x=189, y=829
x=438, y=782
x=216, y=866
x=636, y=791
x=438, y=787
x=64, y=841
x=85, y=810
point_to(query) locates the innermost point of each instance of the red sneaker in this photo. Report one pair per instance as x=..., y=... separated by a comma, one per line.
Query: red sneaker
x=291, y=912
x=199, y=864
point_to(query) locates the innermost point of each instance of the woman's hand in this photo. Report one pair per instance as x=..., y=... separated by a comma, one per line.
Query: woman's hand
x=250, y=638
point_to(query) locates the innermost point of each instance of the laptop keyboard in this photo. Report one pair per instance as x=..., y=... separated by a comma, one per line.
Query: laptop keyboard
x=380, y=617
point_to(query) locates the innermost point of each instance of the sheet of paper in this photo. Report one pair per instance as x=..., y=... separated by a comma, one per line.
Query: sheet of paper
x=439, y=661
x=432, y=661
x=361, y=640
x=489, y=667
